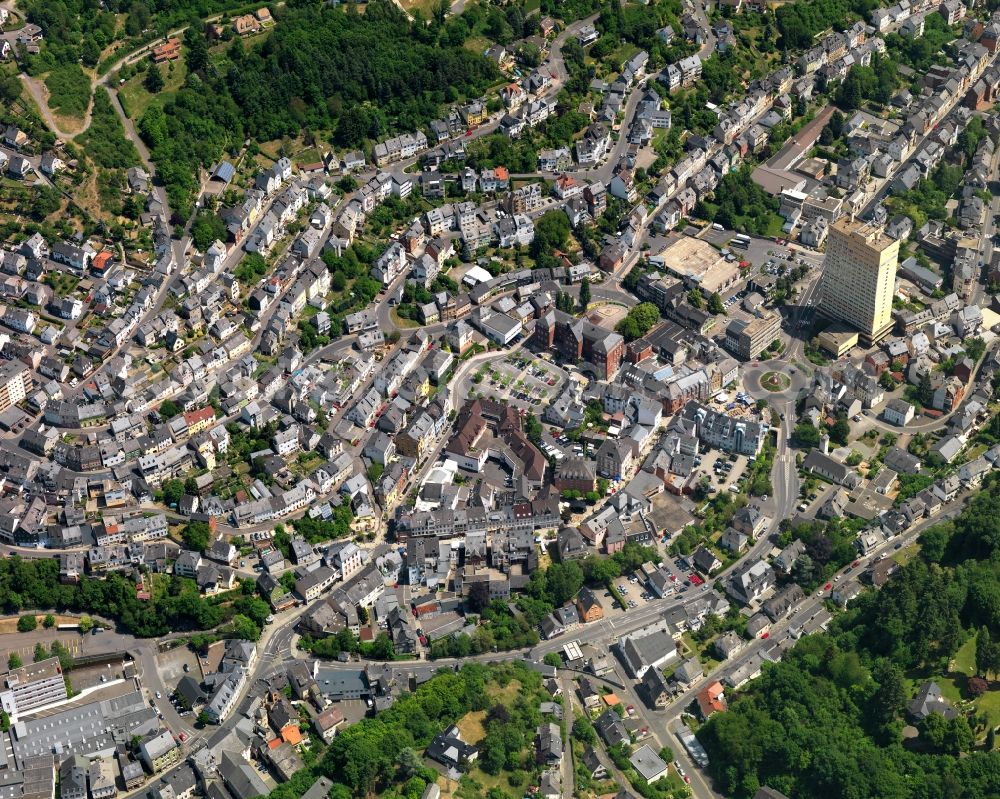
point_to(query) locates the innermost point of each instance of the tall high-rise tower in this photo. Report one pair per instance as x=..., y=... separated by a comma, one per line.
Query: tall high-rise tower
x=859, y=275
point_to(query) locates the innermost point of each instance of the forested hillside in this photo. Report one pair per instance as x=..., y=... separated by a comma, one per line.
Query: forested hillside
x=360, y=76
x=800, y=22
x=828, y=720
x=80, y=30
x=332, y=71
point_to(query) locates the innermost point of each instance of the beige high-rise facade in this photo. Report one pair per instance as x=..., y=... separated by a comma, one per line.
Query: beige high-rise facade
x=859, y=276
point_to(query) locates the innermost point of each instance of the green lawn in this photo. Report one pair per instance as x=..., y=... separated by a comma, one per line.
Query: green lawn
x=136, y=99
x=774, y=225
x=905, y=555
x=426, y=7
x=965, y=658
x=477, y=44
x=622, y=53
x=400, y=321
x=963, y=665
x=703, y=652
x=659, y=136
x=62, y=283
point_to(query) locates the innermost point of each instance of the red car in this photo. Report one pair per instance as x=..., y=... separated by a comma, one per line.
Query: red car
x=468, y=132
x=765, y=636
x=855, y=564
x=687, y=779
x=828, y=586
x=696, y=580
x=183, y=737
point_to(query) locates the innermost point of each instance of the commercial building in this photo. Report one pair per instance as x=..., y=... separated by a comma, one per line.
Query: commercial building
x=748, y=338
x=32, y=686
x=859, y=274
x=73, y=778
x=838, y=339
x=485, y=429
x=101, y=775
x=578, y=339
x=698, y=264
x=651, y=647
x=94, y=728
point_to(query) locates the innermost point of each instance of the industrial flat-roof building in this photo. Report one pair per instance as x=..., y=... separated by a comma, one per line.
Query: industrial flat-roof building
x=90, y=729
x=34, y=779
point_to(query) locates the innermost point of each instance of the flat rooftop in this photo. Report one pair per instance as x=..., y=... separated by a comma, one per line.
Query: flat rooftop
x=697, y=262
x=83, y=730
x=33, y=672
x=873, y=235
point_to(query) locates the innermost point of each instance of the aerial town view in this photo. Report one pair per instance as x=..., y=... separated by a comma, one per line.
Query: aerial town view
x=499, y=399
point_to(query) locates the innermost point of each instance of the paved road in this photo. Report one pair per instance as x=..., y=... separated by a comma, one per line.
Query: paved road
x=708, y=45
x=568, y=788
x=986, y=246
x=273, y=650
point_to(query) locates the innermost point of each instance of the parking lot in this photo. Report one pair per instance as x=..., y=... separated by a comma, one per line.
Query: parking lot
x=634, y=592
x=523, y=381
x=810, y=504
x=761, y=250
x=175, y=663
x=724, y=470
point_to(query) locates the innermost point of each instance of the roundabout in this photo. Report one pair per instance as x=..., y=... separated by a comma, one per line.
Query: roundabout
x=775, y=382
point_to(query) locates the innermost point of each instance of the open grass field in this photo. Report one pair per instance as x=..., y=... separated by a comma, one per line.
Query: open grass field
x=136, y=99
x=425, y=7
x=471, y=726
x=965, y=658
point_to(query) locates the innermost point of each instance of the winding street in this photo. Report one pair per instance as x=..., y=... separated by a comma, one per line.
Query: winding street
x=36, y=88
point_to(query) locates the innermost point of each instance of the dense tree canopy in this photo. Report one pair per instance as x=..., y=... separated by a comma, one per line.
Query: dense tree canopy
x=34, y=584
x=798, y=23
x=638, y=321
x=376, y=753
x=826, y=720
x=876, y=82
x=104, y=141
x=740, y=204
x=363, y=77
x=551, y=234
